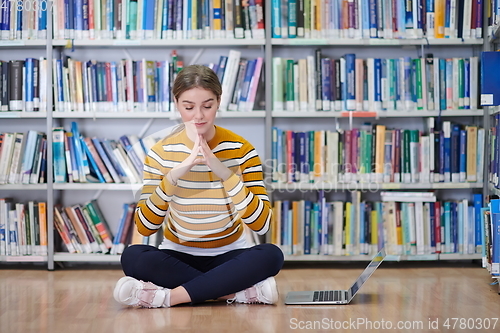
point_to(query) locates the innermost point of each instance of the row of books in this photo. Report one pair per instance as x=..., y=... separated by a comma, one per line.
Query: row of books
x=23, y=157
x=132, y=19
x=405, y=223
x=375, y=154
x=84, y=229
x=494, y=153
x=186, y=19
x=23, y=228
x=25, y=19
x=491, y=252
x=82, y=159
x=380, y=19
x=373, y=84
x=145, y=85
x=162, y=19
x=23, y=85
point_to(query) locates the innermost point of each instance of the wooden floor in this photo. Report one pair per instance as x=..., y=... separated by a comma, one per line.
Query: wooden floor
x=422, y=299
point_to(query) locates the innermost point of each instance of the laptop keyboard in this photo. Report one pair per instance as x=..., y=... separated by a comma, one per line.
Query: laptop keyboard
x=328, y=296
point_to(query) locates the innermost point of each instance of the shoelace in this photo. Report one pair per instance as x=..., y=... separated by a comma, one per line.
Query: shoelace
x=146, y=294
x=251, y=296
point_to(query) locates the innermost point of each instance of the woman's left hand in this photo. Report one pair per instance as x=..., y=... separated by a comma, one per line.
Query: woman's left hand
x=212, y=161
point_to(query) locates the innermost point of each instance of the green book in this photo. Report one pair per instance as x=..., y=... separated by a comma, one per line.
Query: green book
x=418, y=77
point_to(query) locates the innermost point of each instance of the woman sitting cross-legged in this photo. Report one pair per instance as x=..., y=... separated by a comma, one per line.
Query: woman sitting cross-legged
x=206, y=183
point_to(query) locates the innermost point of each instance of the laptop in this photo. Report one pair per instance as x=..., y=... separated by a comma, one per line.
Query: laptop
x=335, y=296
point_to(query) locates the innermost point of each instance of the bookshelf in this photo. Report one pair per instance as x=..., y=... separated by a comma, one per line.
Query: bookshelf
x=258, y=123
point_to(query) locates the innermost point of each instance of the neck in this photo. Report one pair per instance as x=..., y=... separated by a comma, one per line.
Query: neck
x=191, y=133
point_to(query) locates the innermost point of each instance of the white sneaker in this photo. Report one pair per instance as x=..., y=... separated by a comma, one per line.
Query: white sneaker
x=129, y=291
x=263, y=292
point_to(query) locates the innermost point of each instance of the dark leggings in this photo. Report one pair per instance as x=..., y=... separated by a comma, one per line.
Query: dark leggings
x=203, y=277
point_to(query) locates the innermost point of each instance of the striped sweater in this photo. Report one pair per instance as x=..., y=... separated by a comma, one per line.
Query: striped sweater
x=202, y=210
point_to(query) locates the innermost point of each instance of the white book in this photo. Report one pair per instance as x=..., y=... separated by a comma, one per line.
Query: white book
x=6, y=156
x=229, y=79
x=126, y=164
x=419, y=227
x=437, y=96
x=311, y=83
x=466, y=28
x=473, y=89
x=15, y=166
x=425, y=153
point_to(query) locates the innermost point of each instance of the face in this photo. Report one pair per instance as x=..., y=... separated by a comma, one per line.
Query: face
x=198, y=108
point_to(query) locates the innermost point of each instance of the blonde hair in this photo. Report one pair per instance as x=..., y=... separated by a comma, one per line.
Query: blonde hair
x=194, y=76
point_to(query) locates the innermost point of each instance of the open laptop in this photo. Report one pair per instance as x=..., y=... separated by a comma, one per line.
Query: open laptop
x=335, y=296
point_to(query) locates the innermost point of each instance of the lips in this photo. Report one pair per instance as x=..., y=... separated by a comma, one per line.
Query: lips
x=199, y=124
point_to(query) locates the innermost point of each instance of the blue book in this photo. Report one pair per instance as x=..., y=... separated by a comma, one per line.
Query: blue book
x=303, y=164
x=326, y=83
x=477, y=202
x=365, y=24
x=455, y=154
x=292, y=18
x=5, y=17
x=447, y=151
x=92, y=163
x=454, y=227
x=81, y=160
x=285, y=230
x=85, y=18
x=447, y=227
x=249, y=72
x=460, y=229
x=276, y=18
x=373, y=20
x=350, y=66
x=106, y=145
x=432, y=222
x=442, y=84
x=378, y=83
x=148, y=17
x=485, y=228
x=78, y=16
x=307, y=227
x=58, y=155
x=72, y=156
x=467, y=83
x=28, y=90
x=362, y=229
x=222, y=67
x=164, y=24
x=274, y=154
x=321, y=195
x=490, y=80
x=495, y=241
x=107, y=162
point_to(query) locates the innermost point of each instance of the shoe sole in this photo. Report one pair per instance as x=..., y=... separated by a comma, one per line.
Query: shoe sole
x=118, y=287
x=275, y=290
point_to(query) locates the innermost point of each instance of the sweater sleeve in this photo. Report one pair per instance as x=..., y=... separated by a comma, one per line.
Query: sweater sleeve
x=248, y=192
x=156, y=194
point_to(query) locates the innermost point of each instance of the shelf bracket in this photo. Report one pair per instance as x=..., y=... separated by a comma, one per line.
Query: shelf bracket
x=196, y=56
x=97, y=195
x=145, y=128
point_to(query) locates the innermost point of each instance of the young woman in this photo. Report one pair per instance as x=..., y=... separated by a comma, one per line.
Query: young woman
x=206, y=183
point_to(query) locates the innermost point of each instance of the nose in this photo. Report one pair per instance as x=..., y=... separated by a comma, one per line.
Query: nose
x=198, y=114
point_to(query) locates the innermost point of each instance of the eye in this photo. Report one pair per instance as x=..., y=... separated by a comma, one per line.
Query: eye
x=208, y=107
x=188, y=108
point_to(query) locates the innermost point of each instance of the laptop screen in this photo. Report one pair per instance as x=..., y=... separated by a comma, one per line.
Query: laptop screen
x=376, y=261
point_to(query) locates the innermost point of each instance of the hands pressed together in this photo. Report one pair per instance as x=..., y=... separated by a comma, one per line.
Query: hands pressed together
x=200, y=154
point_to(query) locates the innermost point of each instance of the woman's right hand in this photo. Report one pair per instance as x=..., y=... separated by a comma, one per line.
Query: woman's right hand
x=196, y=157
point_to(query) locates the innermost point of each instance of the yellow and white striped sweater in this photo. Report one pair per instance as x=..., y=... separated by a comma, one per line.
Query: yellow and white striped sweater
x=202, y=211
